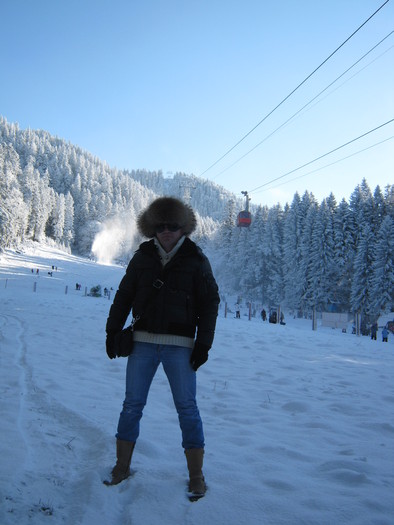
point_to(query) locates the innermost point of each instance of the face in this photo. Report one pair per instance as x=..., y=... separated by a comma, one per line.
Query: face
x=168, y=235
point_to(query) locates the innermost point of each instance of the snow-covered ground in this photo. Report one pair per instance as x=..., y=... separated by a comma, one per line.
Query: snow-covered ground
x=299, y=423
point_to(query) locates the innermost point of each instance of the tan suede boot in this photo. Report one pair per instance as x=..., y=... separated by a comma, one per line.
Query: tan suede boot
x=194, y=458
x=121, y=471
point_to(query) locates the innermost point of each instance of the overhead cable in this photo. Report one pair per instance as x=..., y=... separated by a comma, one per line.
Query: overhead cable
x=295, y=89
x=322, y=156
x=328, y=165
x=307, y=104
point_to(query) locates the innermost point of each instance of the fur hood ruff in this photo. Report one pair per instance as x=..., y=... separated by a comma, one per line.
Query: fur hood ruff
x=166, y=210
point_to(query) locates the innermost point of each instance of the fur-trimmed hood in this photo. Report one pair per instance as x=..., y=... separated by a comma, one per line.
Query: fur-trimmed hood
x=166, y=210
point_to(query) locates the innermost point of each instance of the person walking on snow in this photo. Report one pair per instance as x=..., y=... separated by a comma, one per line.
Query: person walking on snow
x=374, y=331
x=172, y=293
x=237, y=311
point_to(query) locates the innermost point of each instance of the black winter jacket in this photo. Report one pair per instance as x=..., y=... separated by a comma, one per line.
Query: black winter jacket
x=187, y=300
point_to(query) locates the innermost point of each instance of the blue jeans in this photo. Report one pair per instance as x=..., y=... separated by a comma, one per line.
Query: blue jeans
x=141, y=368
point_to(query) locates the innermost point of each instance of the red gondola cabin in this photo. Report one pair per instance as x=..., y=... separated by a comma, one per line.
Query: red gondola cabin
x=244, y=218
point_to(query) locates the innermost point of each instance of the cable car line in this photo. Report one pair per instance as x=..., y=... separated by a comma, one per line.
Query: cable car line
x=352, y=76
x=328, y=165
x=308, y=103
x=324, y=155
x=295, y=89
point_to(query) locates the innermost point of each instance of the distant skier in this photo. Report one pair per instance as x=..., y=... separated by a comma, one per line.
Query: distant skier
x=374, y=331
x=263, y=315
x=385, y=335
x=237, y=311
x=273, y=318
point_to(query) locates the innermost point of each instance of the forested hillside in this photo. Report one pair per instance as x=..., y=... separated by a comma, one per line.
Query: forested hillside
x=315, y=255
x=53, y=189
x=305, y=255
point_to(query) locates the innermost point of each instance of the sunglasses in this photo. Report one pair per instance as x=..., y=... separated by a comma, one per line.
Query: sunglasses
x=172, y=227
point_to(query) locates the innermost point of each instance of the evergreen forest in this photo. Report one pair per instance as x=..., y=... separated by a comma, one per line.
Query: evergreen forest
x=304, y=255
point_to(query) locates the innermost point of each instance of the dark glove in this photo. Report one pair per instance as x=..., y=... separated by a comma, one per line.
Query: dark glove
x=199, y=355
x=110, y=344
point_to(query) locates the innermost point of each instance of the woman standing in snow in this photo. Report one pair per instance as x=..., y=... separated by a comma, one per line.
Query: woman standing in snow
x=170, y=288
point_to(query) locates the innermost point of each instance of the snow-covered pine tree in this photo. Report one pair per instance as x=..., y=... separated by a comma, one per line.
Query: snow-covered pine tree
x=344, y=253
x=382, y=278
x=272, y=250
x=361, y=298
x=307, y=298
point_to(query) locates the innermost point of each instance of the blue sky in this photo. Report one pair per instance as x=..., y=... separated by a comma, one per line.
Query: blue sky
x=172, y=85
